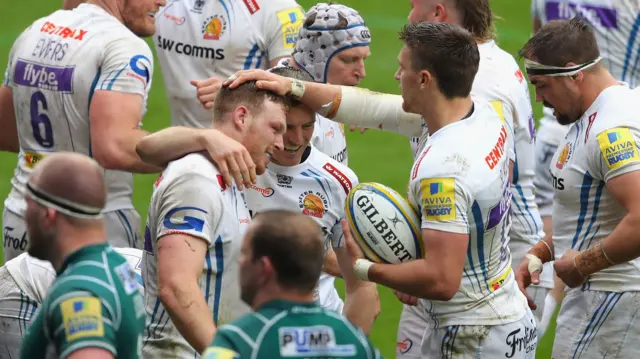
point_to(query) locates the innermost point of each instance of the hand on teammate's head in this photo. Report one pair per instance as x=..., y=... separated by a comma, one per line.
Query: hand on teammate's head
x=206, y=91
x=232, y=158
x=264, y=80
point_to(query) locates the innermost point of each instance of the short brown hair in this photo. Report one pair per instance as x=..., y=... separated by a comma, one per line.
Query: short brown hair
x=448, y=51
x=295, y=245
x=246, y=94
x=293, y=73
x=562, y=41
x=477, y=18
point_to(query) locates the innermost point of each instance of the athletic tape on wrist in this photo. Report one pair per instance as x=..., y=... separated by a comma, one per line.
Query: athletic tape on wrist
x=361, y=269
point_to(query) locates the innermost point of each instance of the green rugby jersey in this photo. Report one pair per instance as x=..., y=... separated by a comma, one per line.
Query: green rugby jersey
x=94, y=302
x=283, y=329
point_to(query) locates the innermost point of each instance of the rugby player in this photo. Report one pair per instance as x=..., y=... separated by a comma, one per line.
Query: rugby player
x=596, y=180
x=94, y=308
x=24, y=283
x=613, y=23
x=280, y=264
x=195, y=227
x=77, y=81
x=198, y=39
x=465, y=278
x=305, y=180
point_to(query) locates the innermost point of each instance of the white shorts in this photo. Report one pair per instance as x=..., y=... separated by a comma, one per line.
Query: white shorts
x=517, y=340
x=122, y=229
x=414, y=322
x=326, y=294
x=16, y=312
x=538, y=294
x=598, y=325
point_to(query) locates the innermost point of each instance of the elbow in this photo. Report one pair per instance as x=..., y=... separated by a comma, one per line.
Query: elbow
x=167, y=290
x=142, y=150
x=109, y=156
x=444, y=290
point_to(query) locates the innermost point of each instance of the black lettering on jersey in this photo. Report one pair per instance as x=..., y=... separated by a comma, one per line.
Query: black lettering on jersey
x=50, y=49
x=340, y=156
x=558, y=183
x=190, y=50
x=519, y=341
x=383, y=228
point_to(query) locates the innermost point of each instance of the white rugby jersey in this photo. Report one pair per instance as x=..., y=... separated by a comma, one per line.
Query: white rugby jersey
x=55, y=67
x=34, y=276
x=318, y=188
x=601, y=145
x=329, y=138
x=615, y=24
x=198, y=39
x=500, y=80
x=460, y=183
x=191, y=198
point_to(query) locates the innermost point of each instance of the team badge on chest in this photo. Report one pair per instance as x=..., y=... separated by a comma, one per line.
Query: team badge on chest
x=313, y=204
x=214, y=27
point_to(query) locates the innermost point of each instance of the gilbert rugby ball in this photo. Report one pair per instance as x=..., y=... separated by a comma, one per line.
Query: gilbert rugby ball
x=383, y=223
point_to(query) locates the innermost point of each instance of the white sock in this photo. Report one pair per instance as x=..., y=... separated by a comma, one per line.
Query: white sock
x=550, y=306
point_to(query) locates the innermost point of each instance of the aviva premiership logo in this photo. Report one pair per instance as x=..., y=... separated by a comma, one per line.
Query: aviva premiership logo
x=618, y=147
x=438, y=199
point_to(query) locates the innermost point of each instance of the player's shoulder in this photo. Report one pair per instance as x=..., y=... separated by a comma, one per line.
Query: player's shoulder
x=498, y=73
x=194, y=164
x=614, y=108
x=333, y=170
x=270, y=7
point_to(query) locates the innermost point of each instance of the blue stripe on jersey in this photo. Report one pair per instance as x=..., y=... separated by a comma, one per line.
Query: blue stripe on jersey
x=526, y=208
x=318, y=179
x=584, y=204
x=630, y=44
x=599, y=316
x=249, y=59
x=318, y=176
x=477, y=217
x=207, y=288
x=516, y=169
x=127, y=228
x=445, y=341
x=94, y=83
x=20, y=313
x=594, y=214
x=151, y=321
x=113, y=80
x=262, y=54
x=226, y=9
x=219, y=270
x=27, y=303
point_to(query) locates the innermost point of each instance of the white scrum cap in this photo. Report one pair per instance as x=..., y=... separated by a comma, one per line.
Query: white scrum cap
x=327, y=30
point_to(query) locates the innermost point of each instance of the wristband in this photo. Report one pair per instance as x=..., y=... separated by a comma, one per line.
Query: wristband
x=297, y=89
x=605, y=255
x=575, y=265
x=535, y=264
x=361, y=269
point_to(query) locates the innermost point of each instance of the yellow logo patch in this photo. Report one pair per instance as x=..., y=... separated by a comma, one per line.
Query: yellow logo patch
x=497, y=105
x=31, y=159
x=438, y=199
x=618, y=147
x=219, y=353
x=497, y=283
x=291, y=20
x=82, y=317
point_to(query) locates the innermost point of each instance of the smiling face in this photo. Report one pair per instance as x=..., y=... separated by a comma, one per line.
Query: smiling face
x=139, y=15
x=263, y=134
x=300, y=125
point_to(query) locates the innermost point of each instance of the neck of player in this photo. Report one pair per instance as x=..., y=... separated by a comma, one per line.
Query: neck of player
x=108, y=6
x=70, y=239
x=271, y=293
x=442, y=112
x=593, y=84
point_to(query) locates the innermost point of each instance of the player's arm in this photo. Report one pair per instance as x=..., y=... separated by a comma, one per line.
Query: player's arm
x=437, y=276
x=182, y=246
x=223, y=345
x=281, y=24
x=9, y=134
x=81, y=326
x=232, y=158
x=117, y=106
x=344, y=104
x=331, y=265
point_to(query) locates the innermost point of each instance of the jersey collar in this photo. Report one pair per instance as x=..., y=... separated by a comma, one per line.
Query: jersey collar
x=73, y=257
x=287, y=304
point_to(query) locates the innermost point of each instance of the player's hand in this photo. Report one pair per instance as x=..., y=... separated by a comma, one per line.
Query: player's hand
x=353, y=128
x=352, y=247
x=264, y=80
x=232, y=158
x=525, y=278
x=566, y=270
x=406, y=298
x=207, y=90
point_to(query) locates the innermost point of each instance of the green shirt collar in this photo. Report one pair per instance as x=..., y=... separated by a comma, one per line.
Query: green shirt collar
x=84, y=251
x=287, y=304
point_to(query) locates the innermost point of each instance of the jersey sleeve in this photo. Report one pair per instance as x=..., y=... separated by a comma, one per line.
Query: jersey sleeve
x=222, y=347
x=81, y=320
x=281, y=26
x=614, y=152
x=127, y=66
x=444, y=203
x=190, y=204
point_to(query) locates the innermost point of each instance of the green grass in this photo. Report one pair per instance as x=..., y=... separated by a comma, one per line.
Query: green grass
x=374, y=156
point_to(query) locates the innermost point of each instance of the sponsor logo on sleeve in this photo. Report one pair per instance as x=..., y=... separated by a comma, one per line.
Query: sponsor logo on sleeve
x=618, y=147
x=252, y=5
x=82, y=317
x=139, y=66
x=493, y=157
x=342, y=179
x=291, y=21
x=404, y=346
x=312, y=341
x=438, y=199
x=220, y=353
x=183, y=219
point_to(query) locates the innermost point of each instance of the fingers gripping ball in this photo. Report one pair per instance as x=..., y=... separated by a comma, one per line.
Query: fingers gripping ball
x=384, y=225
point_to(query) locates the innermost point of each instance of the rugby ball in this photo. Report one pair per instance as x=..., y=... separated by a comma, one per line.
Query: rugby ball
x=383, y=224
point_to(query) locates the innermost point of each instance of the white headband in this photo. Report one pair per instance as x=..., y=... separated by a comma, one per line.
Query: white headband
x=320, y=41
x=69, y=208
x=535, y=68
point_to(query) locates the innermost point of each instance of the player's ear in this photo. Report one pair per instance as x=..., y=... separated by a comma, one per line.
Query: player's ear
x=268, y=270
x=440, y=13
x=241, y=118
x=425, y=79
